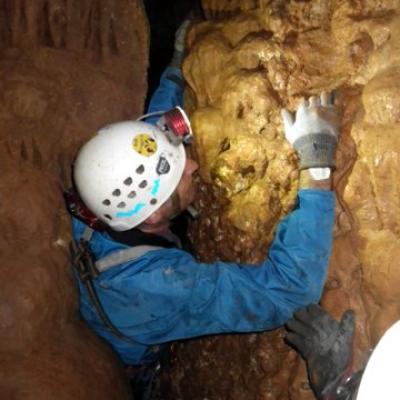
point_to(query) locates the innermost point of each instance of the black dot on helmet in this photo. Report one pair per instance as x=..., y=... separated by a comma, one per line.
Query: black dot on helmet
x=140, y=169
x=143, y=184
x=132, y=194
x=116, y=192
x=106, y=202
x=153, y=201
x=108, y=216
x=128, y=181
x=121, y=205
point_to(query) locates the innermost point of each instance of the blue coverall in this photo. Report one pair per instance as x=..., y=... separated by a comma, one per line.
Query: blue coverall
x=167, y=295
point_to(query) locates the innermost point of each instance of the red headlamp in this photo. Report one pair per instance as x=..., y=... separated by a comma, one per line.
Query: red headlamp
x=176, y=125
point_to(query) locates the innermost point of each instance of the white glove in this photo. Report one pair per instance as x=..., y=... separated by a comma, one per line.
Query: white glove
x=316, y=115
x=314, y=132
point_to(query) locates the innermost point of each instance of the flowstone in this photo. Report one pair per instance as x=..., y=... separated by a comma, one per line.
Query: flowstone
x=246, y=61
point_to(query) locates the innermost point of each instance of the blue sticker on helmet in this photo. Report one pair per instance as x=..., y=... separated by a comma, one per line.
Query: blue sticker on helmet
x=134, y=211
x=156, y=186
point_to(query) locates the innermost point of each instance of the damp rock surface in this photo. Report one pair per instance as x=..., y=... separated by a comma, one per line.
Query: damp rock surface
x=246, y=61
x=67, y=68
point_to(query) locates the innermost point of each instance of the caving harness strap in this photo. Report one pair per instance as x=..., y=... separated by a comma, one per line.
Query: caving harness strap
x=89, y=269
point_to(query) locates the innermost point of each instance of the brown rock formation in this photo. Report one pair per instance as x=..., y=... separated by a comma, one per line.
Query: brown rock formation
x=67, y=68
x=246, y=61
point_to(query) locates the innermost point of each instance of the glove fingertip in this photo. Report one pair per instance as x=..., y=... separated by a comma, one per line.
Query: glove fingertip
x=287, y=336
x=287, y=117
x=303, y=104
x=298, y=344
x=292, y=339
x=325, y=99
x=289, y=324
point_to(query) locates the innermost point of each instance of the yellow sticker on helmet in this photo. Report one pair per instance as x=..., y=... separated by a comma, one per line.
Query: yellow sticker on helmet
x=144, y=144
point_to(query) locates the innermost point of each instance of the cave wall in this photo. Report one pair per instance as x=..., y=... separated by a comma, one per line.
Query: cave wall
x=67, y=68
x=246, y=61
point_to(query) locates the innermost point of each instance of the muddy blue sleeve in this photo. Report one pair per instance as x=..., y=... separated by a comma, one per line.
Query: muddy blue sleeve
x=199, y=299
x=169, y=93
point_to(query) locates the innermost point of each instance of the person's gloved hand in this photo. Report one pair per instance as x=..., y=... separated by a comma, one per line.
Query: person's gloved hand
x=325, y=344
x=179, y=45
x=314, y=131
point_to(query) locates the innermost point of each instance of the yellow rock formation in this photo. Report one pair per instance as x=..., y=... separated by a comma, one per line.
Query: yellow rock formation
x=247, y=61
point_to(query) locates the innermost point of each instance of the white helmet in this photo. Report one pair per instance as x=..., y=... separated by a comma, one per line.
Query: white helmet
x=127, y=171
x=380, y=378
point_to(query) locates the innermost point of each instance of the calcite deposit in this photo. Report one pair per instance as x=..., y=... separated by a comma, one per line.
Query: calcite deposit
x=66, y=68
x=246, y=61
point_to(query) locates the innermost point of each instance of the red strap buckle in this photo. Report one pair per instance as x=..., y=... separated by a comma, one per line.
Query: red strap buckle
x=79, y=210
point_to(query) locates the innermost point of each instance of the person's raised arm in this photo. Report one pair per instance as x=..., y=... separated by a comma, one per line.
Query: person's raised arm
x=169, y=93
x=230, y=297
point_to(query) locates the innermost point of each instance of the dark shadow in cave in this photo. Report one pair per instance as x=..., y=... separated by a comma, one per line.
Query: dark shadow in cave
x=165, y=17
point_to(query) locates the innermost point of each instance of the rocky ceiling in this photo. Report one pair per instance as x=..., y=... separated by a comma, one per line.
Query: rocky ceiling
x=68, y=67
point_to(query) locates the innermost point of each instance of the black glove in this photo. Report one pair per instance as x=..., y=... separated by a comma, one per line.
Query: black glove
x=325, y=344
